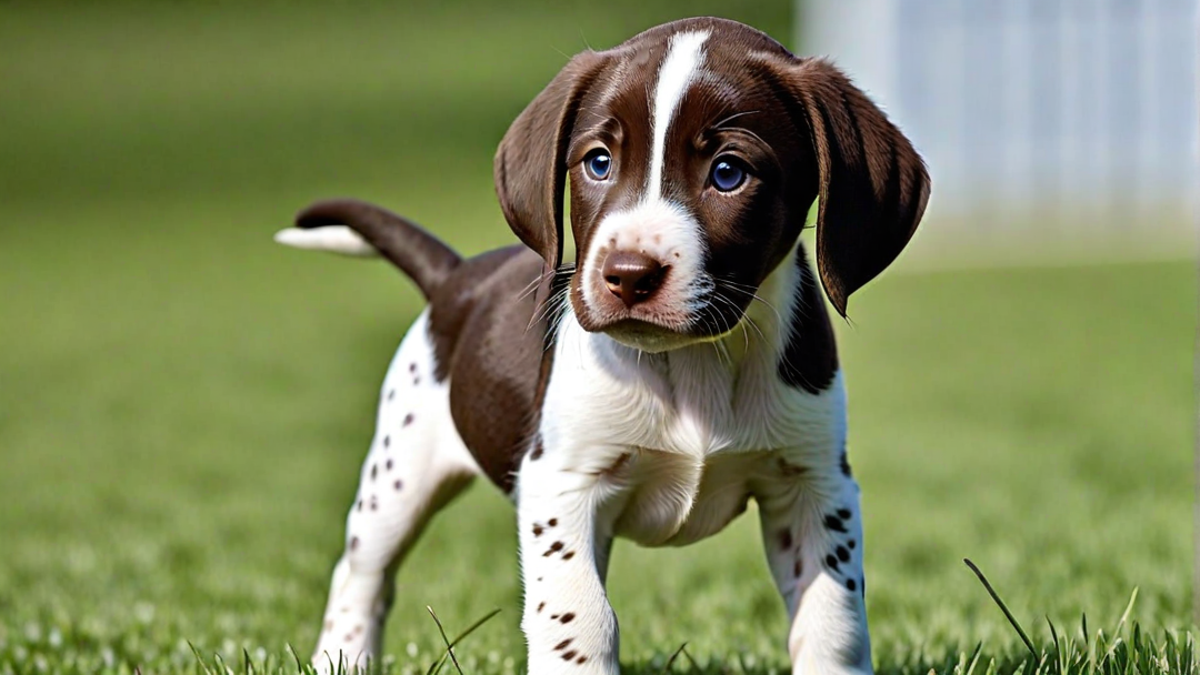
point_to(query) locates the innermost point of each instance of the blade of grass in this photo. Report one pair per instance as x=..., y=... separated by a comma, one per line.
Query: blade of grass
x=446, y=640
x=451, y=644
x=1004, y=608
x=1121, y=624
x=296, y=657
x=974, y=658
x=199, y=659
x=686, y=655
x=671, y=661
x=1058, y=651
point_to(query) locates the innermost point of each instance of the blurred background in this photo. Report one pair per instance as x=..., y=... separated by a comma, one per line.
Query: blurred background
x=1058, y=129
x=184, y=404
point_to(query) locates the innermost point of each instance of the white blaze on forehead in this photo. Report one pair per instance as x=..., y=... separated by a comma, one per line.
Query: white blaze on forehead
x=663, y=230
x=684, y=57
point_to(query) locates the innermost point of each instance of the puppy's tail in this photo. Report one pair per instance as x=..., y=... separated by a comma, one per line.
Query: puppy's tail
x=356, y=228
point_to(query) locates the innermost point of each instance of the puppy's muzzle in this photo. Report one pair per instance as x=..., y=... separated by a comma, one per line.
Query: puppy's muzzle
x=632, y=276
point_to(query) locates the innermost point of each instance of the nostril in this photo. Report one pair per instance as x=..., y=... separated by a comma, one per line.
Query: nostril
x=650, y=282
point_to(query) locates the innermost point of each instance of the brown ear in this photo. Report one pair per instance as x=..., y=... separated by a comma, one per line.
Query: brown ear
x=873, y=185
x=531, y=162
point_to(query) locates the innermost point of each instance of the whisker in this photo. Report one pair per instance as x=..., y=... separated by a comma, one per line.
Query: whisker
x=733, y=286
x=734, y=116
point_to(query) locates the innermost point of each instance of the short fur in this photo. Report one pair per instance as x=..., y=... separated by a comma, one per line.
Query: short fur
x=656, y=418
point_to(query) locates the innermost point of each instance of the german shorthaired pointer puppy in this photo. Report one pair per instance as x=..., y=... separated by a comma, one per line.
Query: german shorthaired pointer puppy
x=682, y=366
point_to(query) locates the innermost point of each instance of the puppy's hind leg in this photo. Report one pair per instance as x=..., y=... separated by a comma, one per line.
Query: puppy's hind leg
x=416, y=465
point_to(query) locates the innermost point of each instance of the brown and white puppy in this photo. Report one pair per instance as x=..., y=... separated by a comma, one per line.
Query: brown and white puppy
x=684, y=365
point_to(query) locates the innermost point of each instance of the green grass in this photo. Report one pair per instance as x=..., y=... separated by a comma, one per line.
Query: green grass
x=183, y=405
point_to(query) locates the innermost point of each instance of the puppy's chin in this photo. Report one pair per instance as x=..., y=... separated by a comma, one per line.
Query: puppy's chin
x=648, y=337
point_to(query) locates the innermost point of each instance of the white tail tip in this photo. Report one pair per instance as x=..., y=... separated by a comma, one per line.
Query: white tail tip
x=332, y=238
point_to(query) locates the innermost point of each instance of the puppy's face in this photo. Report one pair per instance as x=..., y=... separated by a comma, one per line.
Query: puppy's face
x=688, y=186
x=694, y=152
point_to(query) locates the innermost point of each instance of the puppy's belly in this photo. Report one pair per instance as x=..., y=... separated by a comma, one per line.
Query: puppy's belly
x=673, y=500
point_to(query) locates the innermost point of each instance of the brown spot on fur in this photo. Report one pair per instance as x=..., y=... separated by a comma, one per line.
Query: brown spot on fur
x=790, y=470
x=569, y=655
x=541, y=606
x=566, y=618
x=398, y=485
x=616, y=467
x=568, y=555
x=552, y=522
x=834, y=523
x=785, y=538
x=537, y=530
x=562, y=645
x=408, y=419
x=581, y=659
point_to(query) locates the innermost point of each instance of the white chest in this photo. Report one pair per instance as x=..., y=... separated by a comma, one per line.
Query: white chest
x=681, y=437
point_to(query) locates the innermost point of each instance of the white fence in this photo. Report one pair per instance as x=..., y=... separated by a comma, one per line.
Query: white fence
x=1074, y=118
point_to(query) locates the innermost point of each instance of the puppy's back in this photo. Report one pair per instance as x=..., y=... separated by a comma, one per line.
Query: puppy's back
x=493, y=348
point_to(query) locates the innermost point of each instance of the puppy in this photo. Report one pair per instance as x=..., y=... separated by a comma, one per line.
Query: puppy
x=684, y=364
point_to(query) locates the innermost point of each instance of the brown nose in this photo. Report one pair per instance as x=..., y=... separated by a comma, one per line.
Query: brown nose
x=633, y=277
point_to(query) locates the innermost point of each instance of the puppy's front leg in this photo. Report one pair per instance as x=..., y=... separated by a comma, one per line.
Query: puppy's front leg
x=569, y=625
x=812, y=534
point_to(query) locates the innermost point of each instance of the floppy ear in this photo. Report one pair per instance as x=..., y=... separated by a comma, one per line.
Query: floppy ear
x=873, y=185
x=531, y=164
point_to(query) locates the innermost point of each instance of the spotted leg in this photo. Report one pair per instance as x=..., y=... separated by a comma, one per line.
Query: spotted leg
x=812, y=533
x=416, y=465
x=569, y=625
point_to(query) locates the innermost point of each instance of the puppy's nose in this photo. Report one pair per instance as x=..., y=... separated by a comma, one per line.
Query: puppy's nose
x=633, y=277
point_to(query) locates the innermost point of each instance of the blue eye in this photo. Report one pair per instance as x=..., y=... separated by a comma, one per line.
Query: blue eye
x=727, y=175
x=597, y=163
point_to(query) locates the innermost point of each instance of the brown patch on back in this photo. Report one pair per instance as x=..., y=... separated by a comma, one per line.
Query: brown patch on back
x=495, y=355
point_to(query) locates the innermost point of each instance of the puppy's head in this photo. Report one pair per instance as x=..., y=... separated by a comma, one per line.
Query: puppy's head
x=694, y=152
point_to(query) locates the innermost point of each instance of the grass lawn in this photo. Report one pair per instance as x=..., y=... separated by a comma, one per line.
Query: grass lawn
x=183, y=404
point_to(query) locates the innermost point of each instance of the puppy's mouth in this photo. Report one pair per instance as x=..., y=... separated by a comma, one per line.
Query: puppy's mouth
x=662, y=324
